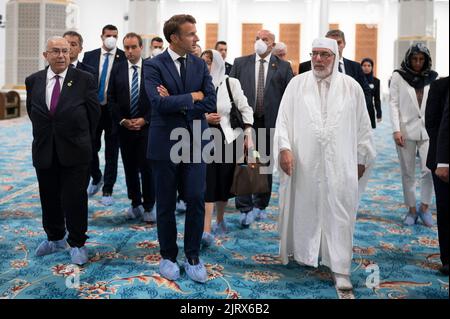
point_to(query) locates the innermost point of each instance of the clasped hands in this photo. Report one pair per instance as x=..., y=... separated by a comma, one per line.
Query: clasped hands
x=134, y=124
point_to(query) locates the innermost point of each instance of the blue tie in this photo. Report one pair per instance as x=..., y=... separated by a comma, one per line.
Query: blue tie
x=101, y=89
x=134, y=110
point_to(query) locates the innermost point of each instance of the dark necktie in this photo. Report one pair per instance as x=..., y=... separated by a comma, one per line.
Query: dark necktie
x=102, y=85
x=260, y=90
x=340, y=67
x=134, y=109
x=55, y=95
x=182, y=70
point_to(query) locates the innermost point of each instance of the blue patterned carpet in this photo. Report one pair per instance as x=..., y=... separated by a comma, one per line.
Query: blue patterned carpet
x=124, y=255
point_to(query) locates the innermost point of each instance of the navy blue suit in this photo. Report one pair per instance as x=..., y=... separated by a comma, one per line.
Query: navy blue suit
x=92, y=59
x=178, y=111
x=133, y=144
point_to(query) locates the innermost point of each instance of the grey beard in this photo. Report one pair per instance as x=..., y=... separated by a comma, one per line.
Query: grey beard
x=323, y=74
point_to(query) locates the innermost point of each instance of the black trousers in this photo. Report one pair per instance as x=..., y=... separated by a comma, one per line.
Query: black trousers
x=111, y=151
x=192, y=178
x=138, y=170
x=443, y=209
x=64, y=201
x=248, y=202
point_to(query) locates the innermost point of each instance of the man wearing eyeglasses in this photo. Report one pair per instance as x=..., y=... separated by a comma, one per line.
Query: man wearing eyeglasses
x=64, y=111
x=323, y=144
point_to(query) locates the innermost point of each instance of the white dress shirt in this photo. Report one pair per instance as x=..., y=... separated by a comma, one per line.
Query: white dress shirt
x=341, y=62
x=112, y=56
x=51, y=81
x=131, y=72
x=266, y=69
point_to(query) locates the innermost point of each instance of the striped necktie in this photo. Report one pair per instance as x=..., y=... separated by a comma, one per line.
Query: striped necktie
x=134, y=109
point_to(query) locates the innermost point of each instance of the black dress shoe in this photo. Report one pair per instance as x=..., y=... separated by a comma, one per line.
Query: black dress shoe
x=444, y=270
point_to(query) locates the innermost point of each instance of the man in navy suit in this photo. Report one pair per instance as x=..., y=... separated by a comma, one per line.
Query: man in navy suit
x=346, y=66
x=435, y=122
x=190, y=94
x=264, y=78
x=103, y=60
x=76, y=47
x=131, y=111
x=63, y=108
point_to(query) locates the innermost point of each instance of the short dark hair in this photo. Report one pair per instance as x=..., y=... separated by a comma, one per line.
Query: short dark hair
x=219, y=43
x=336, y=33
x=109, y=27
x=74, y=34
x=133, y=35
x=157, y=39
x=172, y=26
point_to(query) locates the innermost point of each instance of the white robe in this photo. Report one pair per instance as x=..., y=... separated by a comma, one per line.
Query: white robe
x=318, y=204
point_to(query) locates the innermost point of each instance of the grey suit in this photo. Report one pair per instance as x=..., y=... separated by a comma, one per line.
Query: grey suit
x=278, y=76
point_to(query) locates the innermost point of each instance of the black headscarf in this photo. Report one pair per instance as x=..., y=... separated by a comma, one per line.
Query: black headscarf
x=426, y=75
x=369, y=76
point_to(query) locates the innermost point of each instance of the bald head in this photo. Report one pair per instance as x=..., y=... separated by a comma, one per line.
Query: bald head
x=268, y=38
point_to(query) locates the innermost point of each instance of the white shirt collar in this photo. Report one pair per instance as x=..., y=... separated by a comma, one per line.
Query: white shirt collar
x=267, y=58
x=111, y=53
x=138, y=64
x=51, y=74
x=174, y=55
x=75, y=63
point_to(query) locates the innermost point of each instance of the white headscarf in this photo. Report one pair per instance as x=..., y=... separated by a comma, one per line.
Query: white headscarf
x=217, y=69
x=331, y=44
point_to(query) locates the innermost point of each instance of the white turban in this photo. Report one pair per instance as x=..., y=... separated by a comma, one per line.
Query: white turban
x=326, y=43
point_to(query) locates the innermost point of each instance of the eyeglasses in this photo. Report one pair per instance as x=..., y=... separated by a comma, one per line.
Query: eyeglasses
x=323, y=55
x=57, y=52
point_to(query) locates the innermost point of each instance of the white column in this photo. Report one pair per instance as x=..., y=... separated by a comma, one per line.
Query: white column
x=324, y=17
x=229, y=27
x=145, y=20
x=415, y=24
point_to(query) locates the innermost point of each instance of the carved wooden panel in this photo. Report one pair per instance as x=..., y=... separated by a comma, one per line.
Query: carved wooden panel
x=212, y=33
x=366, y=44
x=290, y=35
x=249, y=31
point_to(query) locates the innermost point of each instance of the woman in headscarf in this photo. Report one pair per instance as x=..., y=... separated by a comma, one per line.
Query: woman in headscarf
x=367, y=66
x=408, y=98
x=219, y=176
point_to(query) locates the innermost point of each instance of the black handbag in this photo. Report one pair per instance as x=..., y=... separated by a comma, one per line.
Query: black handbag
x=236, y=120
x=248, y=180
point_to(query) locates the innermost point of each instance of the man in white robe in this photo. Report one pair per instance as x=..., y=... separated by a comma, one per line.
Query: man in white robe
x=323, y=143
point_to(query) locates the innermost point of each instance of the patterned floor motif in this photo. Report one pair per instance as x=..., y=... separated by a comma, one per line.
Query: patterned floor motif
x=124, y=254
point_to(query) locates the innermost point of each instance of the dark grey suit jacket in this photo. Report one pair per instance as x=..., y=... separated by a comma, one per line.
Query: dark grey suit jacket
x=278, y=76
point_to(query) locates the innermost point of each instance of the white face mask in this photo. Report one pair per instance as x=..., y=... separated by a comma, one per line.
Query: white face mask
x=156, y=52
x=110, y=43
x=260, y=47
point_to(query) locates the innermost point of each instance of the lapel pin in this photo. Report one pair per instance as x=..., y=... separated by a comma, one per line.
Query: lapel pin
x=69, y=84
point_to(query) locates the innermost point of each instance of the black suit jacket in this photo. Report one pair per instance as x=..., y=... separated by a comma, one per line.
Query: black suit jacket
x=119, y=94
x=92, y=58
x=87, y=68
x=442, y=142
x=279, y=75
x=69, y=132
x=433, y=116
x=352, y=69
x=228, y=68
